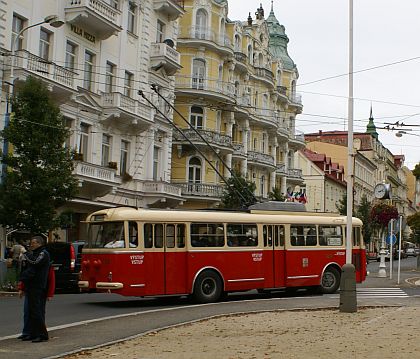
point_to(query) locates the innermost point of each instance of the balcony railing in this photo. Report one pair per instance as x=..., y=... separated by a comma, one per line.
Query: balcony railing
x=160, y=187
x=119, y=101
x=259, y=157
x=165, y=55
x=281, y=168
x=240, y=57
x=296, y=98
x=204, y=33
x=95, y=172
x=211, y=137
x=48, y=70
x=205, y=84
x=294, y=172
x=263, y=72
x=238, y=149
x=201, y=189
x=96, y=15
x=282, y=90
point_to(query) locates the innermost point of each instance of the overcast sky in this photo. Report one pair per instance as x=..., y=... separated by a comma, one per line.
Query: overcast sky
x=385, y=32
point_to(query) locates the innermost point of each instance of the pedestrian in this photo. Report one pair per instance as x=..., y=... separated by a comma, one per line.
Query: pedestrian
x=34, y=280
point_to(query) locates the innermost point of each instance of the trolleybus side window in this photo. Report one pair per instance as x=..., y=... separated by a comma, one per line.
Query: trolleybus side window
x=330, y=236
x=242, y=235
x=148, y=235
x=133, y=234
x=180, y=235
x=303, y=235
x=207, y=235
x=170, y=236
x=158, y=238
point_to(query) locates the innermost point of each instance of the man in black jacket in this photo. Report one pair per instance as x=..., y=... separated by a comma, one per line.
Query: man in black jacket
x=35, y=280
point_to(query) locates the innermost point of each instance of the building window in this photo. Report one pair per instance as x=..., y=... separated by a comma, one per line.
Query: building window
x=17, y=26
x=196, y=117
x=44, y=44
x=156, y=160
x=262, y=186
x=160, y=31
x=109, y=77
x=84, y=140
x=250, y=55
x=88, y=71
x=132, y=11
x=106, y=150
x=125, y=145
x=68, y=122
x=128, y=83
x=201, y=24
x=70, y=55
x=199, y=72
x=264, y=143
x=237, y=43
x=194, y=170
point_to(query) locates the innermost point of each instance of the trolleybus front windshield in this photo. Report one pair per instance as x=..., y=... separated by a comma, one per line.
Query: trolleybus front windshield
x=106, y=235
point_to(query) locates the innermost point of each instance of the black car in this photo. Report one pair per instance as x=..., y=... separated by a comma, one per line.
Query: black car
x=66, y=260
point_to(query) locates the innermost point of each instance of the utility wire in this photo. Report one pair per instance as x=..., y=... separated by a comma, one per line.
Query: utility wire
x=140, y=92
x=154, y=88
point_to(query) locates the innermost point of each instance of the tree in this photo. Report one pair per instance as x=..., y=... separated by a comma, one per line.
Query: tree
x=276, y=195
x=238, y=193
x=39, y=176
x=342, y=205
x=416, y=171
x=363, y=212
x=414, y=222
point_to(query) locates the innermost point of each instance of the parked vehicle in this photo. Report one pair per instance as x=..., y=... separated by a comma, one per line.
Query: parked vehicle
x=411, y=251
x=66, y=260
x=403, y=253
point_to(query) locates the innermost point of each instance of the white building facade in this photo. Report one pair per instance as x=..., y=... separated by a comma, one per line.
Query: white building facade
x=95, y=64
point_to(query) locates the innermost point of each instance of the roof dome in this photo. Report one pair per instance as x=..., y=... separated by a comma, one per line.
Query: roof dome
x=278, y=41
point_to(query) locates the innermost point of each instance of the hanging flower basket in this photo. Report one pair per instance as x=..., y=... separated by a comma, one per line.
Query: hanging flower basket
x=382, y=213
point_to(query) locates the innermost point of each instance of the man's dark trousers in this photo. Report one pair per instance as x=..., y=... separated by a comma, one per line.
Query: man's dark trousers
x=37, y=300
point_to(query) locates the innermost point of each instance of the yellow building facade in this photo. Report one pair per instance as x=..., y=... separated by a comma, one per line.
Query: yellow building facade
x=235, y=103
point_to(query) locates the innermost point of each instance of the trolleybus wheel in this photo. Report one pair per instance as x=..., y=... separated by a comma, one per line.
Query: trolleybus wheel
x=207, y=287
x=330, y=280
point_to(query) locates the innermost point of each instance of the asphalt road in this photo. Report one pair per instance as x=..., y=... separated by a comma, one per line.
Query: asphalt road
x=132, y=316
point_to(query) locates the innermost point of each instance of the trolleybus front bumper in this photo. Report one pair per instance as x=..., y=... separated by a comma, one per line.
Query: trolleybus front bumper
x=101, y=285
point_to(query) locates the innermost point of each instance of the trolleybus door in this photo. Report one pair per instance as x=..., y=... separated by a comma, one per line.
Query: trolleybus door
x=274, y=261
x=166, y=260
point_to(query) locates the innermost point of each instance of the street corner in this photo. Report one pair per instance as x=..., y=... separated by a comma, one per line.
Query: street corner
x=413, y=281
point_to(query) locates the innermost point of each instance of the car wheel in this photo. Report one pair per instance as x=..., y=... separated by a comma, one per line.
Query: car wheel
x=207, y=287
x=330, y=280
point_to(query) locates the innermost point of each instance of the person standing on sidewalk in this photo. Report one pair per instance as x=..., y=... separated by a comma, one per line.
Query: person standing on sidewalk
x=35, y=283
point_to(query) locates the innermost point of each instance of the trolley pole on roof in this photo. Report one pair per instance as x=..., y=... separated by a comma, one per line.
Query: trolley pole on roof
x=348, y=300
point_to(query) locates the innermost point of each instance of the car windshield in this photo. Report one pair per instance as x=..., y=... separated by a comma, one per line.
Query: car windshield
x=106, y=235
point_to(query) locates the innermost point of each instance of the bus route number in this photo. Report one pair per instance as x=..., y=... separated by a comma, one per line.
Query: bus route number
x=137, y=259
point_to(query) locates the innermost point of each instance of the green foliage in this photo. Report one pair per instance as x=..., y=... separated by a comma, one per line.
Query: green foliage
x=342, y=205
x=39, y=171
x=276, y=195
x=363, y=213
x=381, y=214
x=416, y=171
x=238, y=193
x=414, y=222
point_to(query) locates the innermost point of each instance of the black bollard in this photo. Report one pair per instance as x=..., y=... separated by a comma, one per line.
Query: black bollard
x=348, y=299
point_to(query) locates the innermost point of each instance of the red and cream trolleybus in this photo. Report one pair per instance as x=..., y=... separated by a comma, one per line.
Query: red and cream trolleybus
x=143, y=252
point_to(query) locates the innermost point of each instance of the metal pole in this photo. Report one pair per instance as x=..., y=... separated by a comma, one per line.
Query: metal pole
x=350, y=143
x=391, y=252
x=399, y=252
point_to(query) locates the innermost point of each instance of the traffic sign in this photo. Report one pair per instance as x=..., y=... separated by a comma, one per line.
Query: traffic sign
x=391, y=238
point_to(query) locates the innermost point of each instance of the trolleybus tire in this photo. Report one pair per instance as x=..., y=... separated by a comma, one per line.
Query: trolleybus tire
x=330, y=281
x=207, y=287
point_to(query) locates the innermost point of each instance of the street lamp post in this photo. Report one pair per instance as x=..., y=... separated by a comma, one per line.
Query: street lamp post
x=54, y=21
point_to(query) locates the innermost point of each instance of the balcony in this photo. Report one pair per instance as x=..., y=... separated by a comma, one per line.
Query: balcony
x=213, y=138
x=208, y=88
x=132, y=112
x=92, y=19
x=162, y=55
x=297, y=141
x=266, y=116
x=173, y=9
x=282, y=91
x=281, y=169
x=94, y=180
x=294, y=173
x=241, y=61
x=238, y=150
x=201, y=190
x=260, y=159
x=296, y=101
x=61, y=79
x=199, y=36
x=264, y=73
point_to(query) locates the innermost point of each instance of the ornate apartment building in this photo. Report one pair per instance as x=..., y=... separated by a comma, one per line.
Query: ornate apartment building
x=237, y=92
x=95, y=63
